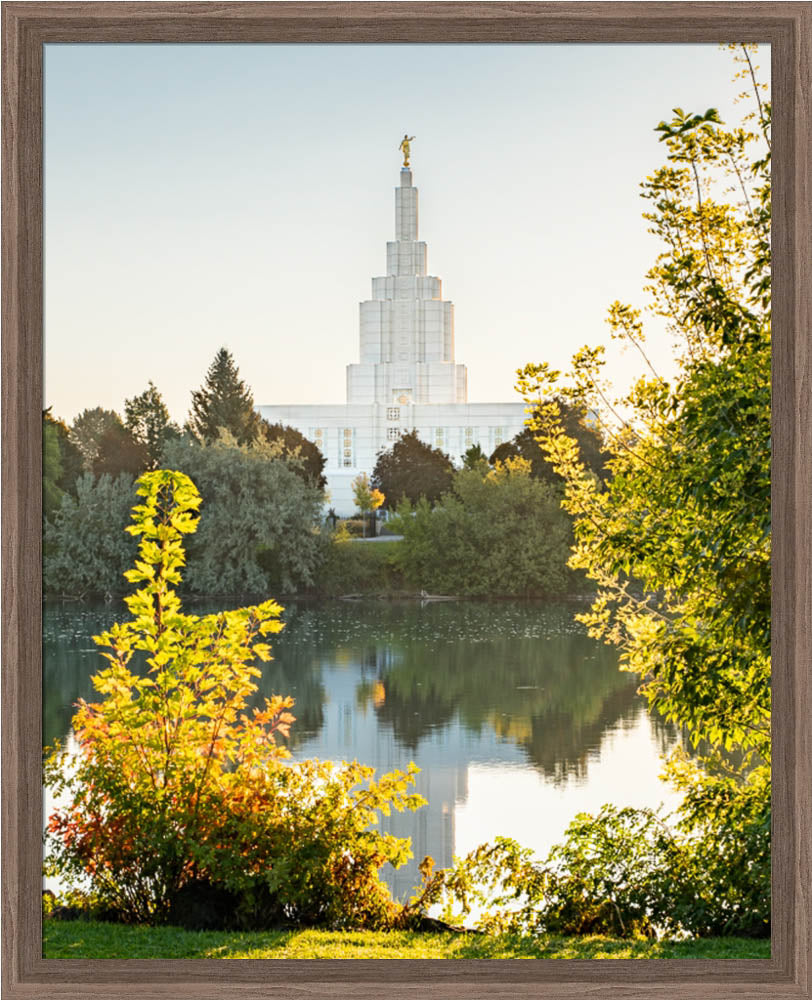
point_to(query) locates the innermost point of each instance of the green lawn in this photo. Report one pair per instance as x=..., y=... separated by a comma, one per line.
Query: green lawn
x=82, y=939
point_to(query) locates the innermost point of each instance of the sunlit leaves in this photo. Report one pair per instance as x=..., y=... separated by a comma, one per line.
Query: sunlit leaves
x=180, y=778
x=678, y=541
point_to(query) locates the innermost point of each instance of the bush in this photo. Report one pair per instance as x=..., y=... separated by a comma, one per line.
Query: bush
x=359, y=568
x=627, y=872
x=501, y=532
x=180, y=798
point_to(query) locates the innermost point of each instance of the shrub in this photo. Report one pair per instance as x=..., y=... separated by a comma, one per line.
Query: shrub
x=497, y=532
x=359, y=568
x=627, y=872
x=180, y=792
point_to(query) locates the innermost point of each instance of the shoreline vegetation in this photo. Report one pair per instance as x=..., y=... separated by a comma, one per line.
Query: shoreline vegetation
x=355, y=570
x=89, y=939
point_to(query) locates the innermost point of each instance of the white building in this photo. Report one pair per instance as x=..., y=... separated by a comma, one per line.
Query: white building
x=406, y=379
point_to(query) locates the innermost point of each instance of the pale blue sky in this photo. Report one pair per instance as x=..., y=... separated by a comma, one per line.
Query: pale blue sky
x=201, y=195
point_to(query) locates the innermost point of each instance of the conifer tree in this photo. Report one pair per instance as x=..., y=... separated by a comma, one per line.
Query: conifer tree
x=223, y=402
x=147, y=420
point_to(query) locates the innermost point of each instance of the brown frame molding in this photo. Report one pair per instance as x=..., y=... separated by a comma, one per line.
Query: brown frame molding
x=787, y=27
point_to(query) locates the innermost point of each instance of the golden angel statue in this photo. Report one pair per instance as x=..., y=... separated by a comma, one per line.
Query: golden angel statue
x=405, y=148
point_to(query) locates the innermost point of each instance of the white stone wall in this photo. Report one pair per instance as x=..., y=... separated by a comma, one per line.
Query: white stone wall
x=355, y=434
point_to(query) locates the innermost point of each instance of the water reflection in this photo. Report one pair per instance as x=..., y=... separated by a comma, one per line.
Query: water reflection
x=507, y=689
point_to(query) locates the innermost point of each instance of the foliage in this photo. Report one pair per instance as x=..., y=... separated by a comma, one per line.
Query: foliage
x=679, y=541
x=70, y=459
x=578, y=426
x=147, y=420
x=499, y=533
x=628, y=872
x=411, y=469
x=88, y=429
x=475, y=458
x=357, y=568
x=119, y=452
x=51, y=470
x=261, y=529
x=306, y=457
x=86, y=550
x=223, y=402
x=179, y=786
x=366, y=498
x=349, y=527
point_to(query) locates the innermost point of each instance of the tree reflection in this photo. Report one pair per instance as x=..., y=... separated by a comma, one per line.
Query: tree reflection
x=525, y=673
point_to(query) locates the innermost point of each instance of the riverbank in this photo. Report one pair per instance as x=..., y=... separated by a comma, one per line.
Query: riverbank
x=84, y=939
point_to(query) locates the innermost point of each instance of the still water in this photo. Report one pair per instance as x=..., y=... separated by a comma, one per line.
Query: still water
x=517, y=719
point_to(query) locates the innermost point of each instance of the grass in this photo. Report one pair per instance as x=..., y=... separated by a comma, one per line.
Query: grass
x=83, y=939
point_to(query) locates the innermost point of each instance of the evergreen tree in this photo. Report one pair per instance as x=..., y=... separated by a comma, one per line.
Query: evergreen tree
x=223, y=402
x=147, y=420
x=475, y=458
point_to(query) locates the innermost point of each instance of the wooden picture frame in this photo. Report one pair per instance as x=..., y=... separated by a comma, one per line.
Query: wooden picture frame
x=787, y=27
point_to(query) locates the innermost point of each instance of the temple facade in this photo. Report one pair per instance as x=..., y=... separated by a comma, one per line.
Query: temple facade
x=406, y=377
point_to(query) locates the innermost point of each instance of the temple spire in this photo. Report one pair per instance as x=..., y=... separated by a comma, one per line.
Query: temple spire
x=405, y=208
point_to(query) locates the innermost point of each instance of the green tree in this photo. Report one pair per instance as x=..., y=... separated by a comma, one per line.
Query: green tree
x=119, y=453
x=411, y=469
x=304, y=454
x=261, y=530
x=88, y=429
x=51, y=471
x=70, y=459
x=500, y=533
x=147, y=419
x=224, y=402
x=180, y=789
x=578, y=426
x=678, y=541
x=86, y=550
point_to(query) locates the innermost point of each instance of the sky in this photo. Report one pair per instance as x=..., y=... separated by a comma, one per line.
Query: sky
x=199, y=196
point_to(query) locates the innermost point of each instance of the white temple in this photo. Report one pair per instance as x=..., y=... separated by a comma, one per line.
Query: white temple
x=406, y=378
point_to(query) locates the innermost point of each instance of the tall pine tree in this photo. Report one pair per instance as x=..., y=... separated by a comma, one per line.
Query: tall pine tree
x=223, y=402
x=147, y=420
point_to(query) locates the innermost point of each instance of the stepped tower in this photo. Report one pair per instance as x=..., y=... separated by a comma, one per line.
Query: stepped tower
x=406, y=328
